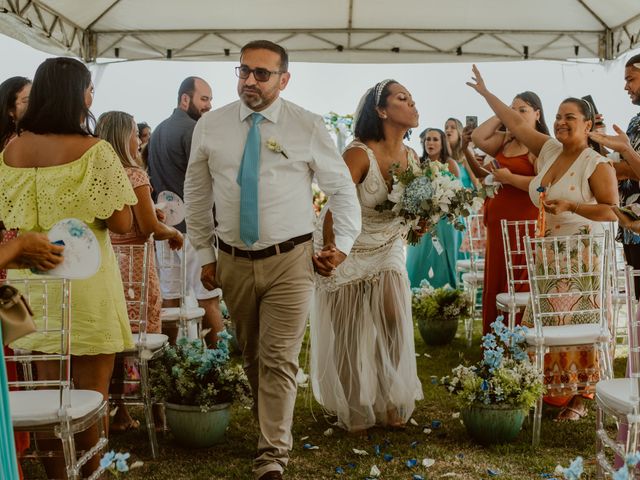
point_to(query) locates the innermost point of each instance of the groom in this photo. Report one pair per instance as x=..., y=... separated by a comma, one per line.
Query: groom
x=255, y=160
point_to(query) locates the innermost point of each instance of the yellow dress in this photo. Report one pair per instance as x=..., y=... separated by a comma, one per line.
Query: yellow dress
x=90, y=189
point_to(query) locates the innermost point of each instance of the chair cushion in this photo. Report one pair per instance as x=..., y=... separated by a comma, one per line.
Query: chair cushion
x=30, y=408
x=154, y=340
x=503, y=300
x=472, y=278
x=173, y=314
x=568, y=335
x=464, y=265
x=616, y=394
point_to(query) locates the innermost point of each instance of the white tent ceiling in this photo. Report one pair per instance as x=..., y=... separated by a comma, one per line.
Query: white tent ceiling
x=338, y=31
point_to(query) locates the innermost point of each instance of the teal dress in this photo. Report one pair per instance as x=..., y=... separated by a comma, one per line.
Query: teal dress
x=8, y=462
x=436, y=265
x=465, y=179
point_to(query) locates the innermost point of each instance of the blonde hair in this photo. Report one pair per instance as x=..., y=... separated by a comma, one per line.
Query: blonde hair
x=116, y=128
x=456, y=150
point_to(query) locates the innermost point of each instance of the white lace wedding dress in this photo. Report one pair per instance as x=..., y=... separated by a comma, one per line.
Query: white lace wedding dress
x=363, y=365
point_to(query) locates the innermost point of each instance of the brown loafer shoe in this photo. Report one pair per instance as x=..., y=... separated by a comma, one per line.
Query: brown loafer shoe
x=271, y=475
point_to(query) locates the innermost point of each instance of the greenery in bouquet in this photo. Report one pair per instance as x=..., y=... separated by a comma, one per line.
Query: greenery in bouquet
x=425, y=194
x=504, y=376
x=445, y=303
x=189, y=373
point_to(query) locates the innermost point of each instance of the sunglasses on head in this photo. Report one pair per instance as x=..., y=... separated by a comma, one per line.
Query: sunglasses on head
x=260, y=74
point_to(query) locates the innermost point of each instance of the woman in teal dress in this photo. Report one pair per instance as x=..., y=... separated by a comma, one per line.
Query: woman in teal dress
x=434, y=258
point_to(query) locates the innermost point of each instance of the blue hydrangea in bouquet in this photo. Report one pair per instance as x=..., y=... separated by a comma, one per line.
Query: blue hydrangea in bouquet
x=423, y=195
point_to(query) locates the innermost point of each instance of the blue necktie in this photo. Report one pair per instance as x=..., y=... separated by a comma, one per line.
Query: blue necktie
x=248, y=181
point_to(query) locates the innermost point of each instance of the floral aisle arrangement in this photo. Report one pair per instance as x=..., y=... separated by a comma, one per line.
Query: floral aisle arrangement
x=437, y=311
x=191, y=374
x=496, y=394
x=424, y=195
x=503, y=376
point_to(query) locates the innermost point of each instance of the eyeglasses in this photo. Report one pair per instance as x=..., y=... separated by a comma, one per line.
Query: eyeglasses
x=260, y=74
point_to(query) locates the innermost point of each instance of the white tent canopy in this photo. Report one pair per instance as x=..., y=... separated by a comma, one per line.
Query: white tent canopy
x=337, y=31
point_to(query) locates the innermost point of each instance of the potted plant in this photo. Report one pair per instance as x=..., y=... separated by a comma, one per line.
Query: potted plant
x=198, y=385
x=437, y=311
x=497, y=393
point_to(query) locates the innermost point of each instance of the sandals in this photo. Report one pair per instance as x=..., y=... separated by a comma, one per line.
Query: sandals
x=570, y=413
x=124, y=427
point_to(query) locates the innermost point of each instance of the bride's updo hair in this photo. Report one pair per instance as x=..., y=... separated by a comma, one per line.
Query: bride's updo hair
x=368, y=124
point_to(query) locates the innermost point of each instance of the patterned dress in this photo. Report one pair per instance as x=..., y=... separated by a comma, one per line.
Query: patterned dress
x=362, y=353
x=568, y=364
x=139, y=178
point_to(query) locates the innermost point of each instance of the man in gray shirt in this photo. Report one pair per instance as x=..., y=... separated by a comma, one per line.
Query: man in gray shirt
x=169, y=149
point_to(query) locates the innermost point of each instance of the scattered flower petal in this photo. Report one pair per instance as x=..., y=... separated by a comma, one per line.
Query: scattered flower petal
x=339, y=470
x=414, y=444
x=493, y=473
x=387, y=457
x=428, y=462
x=308, y=446
x=436, y=424
x=413, y=422
x=328, y=432
x=304, y=438
x=136, y=464
x=411, y=463
x=426, y=430
x=360, y=452
x=417, y=477
x=376, y=450
x=455, y=415
x=375, y=472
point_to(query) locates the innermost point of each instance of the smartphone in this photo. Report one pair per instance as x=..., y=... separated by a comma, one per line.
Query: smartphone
x=471, y=121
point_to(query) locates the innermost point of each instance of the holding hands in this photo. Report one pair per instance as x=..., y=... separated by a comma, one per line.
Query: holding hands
x=327, y=260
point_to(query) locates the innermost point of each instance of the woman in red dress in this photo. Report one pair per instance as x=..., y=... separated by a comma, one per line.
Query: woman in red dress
x=513, y=166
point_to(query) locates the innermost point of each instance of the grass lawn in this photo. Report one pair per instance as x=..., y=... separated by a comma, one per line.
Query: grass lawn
x=456, y=456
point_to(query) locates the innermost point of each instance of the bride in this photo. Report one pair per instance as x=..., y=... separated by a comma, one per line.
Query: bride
x=363, y=365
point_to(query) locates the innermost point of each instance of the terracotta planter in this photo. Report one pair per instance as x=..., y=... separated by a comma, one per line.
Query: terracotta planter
x=490, y=424
x=437, y=332
x=192, y=427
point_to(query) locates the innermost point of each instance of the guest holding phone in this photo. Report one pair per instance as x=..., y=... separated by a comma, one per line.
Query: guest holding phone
x=513, y=167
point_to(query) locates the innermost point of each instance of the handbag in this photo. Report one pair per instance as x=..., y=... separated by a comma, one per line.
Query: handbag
x=16, y=315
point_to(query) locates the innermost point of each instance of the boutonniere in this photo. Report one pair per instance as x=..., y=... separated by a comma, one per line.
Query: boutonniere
x=274, y=146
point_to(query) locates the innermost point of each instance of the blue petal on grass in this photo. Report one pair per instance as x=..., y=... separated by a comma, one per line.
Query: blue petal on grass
x=411, y=463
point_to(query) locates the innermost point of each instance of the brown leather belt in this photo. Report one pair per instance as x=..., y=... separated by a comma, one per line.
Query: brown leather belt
x=283, y=247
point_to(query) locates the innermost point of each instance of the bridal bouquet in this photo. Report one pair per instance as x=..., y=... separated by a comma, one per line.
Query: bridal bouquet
x=424, y=195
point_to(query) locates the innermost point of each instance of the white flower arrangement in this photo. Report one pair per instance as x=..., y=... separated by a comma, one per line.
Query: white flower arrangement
x=274, y=146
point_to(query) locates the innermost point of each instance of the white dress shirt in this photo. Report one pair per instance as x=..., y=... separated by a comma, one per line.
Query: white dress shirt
x=285, y=198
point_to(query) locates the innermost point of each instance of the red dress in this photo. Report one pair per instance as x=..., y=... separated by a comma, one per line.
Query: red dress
x=510, y=204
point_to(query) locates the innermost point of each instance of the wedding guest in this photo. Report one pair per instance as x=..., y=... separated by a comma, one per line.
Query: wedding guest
x=119, y=129
x=14, y=98
x=56, y=169
x=144, y=134
x=363, y=366
x=255, y=160
x=434, y=258
x=168, y=156
x=575, y=188
x=453, y=130
x=513, y=166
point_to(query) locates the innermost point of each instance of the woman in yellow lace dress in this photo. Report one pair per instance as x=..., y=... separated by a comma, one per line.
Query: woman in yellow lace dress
x=56, y=169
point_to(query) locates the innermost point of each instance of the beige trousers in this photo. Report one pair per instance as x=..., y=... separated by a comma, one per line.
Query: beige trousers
x=269, y=302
